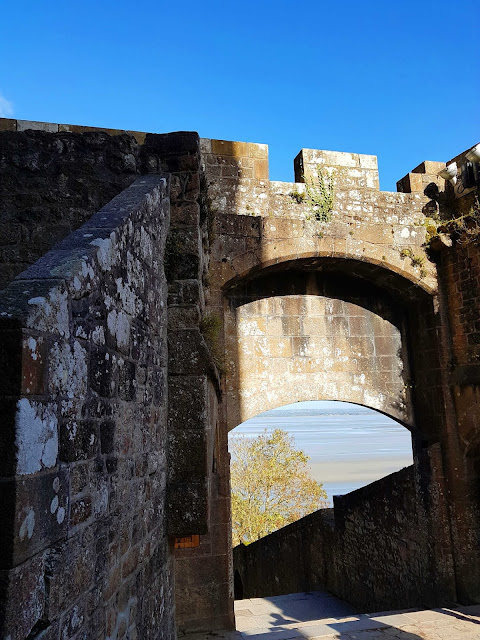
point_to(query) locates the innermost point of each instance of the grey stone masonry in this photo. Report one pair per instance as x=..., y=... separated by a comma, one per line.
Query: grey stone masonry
x=83, y=545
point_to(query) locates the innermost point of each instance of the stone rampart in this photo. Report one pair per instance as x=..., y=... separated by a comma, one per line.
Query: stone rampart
x=372, y=550
x=84, y=548
x=265, y=304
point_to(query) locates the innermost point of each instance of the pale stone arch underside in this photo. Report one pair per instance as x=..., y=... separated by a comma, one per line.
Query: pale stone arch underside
x=335, y=329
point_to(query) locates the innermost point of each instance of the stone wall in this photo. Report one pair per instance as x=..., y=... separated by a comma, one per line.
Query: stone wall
x=239, y=247
x=290, y=348
x=84, y=548
x=51, y=183
x=260, y=224
x=291, y=560
x=272, y=263
x=372, y=550
x=459, y=268
x=52, y=179
x=198, y=488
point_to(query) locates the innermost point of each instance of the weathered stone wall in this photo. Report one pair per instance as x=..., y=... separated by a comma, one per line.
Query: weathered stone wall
x=198, y=488
x=372, y=550
x=291, y=348
x=51, y=183
x=459, y=268
x=274, y=264
x=52, y=179
x=84, y=548
x=261, y=224
x=291, y=560
x=386, y=546
x=238, y=245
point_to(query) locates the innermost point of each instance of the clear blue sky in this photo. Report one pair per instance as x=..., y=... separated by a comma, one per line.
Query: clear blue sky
x=399, y=80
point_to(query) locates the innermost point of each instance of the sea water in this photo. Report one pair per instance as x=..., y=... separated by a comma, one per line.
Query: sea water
x=348, y=445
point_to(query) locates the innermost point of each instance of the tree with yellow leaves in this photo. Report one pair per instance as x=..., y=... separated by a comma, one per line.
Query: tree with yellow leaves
x=271, y=485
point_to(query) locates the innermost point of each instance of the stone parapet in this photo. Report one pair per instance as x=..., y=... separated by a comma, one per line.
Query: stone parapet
x=7, y=124
x=422, y=178
x=83, y=339
x=349, y=170
x=372, y=549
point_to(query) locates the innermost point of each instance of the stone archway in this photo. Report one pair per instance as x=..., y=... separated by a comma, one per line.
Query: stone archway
x=336, y=329
x=317, y=331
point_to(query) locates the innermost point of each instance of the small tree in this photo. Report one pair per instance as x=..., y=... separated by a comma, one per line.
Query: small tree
x=271, y=485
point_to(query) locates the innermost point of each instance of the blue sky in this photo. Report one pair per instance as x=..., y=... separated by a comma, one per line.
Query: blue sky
x=399, y=80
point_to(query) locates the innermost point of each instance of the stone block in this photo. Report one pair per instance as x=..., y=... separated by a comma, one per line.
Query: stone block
x=261, y=171
x=6, y=124
x=187, y=456
x=22, y=594
x=188, y=353
x=187, y=400
x=330, y=158
x=205, y=145
x=257, y=150
x=33, y=365
x=411, y=183
x=37, y=511
x=177, y=143
x=126, y=380
x=26, y=125
x=103, y=372
x=229, y=148
x=368, y=162
x=429, y=167
x=187, y=509
x=65, y=587
x=81, y=511
x=79, y=440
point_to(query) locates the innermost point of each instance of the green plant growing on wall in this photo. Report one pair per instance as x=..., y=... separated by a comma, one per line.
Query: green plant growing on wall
x=320, y=194
x=463, y=229
x=431, y=227
x=416, y=260
x=210, y=326
x=298, y=196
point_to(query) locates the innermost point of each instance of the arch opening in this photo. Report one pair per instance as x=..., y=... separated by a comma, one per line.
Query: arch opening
x=348, y=445
x=316, y=334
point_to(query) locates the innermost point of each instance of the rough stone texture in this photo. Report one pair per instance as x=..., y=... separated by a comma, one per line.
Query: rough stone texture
x=51, y=183
x=85, y=551
x=55, y=177
x=460, y=271
x=350, y=170
x=372, y=549
x=198, y=487
x=239, y=247
x=291, y=348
